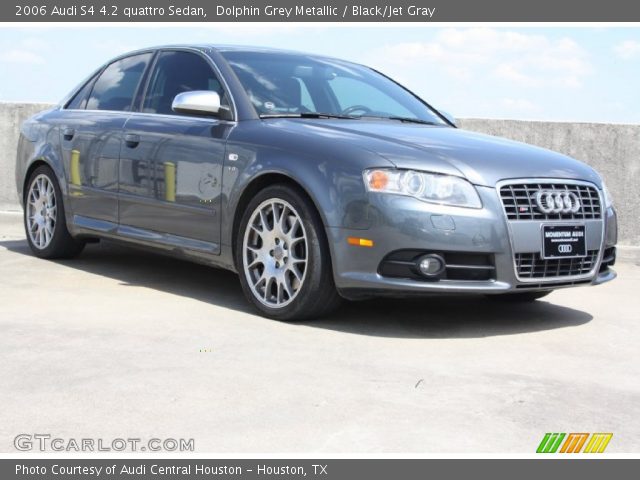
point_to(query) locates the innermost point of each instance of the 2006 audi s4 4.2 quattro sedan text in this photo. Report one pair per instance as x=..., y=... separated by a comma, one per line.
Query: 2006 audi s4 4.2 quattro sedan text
x=313, y=178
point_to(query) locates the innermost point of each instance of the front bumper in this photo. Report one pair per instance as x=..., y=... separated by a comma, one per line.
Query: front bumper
x=399, y=223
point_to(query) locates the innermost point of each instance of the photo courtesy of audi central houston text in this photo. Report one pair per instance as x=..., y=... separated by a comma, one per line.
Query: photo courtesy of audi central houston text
x=317, y=180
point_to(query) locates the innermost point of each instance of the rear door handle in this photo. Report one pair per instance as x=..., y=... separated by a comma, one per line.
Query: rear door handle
x=131, y=140
x=68, y=133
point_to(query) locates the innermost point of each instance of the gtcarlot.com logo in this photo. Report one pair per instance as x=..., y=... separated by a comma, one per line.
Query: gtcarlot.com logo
x=44, y=442
x=574, y=442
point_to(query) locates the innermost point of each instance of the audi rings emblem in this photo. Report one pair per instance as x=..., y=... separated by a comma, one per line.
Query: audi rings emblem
x=557, y=201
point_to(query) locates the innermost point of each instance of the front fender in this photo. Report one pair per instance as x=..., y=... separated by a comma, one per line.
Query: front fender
x=333, y=180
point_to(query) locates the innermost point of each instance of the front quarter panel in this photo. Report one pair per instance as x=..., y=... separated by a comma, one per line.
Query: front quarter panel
x=331, y=174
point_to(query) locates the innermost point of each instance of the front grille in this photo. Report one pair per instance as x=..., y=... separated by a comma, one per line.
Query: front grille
x=518, y=200
x=531, y=266
x=537, y=286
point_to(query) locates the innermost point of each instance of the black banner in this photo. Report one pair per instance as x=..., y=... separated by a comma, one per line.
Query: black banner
x=423, y=11
x=114, y=469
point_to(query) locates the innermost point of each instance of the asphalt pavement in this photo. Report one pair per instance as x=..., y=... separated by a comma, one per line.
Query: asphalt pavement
x=121, y=343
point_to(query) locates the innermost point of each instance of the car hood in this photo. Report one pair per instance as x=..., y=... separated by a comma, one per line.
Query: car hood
x=482, y=159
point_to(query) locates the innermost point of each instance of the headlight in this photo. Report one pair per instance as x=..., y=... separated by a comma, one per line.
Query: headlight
x=608, y=201
x=430, y=187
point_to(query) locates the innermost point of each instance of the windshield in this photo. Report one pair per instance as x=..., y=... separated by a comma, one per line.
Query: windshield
x=299, y=85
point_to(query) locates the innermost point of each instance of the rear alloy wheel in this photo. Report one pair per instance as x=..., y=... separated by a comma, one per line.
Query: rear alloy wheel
x=521, y=297
x=44, y=218
x=284, y=261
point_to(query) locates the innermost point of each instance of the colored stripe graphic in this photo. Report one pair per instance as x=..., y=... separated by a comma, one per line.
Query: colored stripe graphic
x=574, y=443
x=550, y=442
x=598, y=442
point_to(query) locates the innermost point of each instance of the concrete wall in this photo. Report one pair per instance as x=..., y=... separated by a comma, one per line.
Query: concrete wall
x=613, y=150
x=11, y=117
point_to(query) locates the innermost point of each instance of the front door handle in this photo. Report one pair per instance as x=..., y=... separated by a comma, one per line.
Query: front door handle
x=68, y=133
x=131, y=140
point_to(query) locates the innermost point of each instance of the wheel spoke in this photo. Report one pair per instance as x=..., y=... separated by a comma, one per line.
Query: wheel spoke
x=294, y=223
x=295, y=260
x=257, y=230
x=288, y=288
x=267, y=288
x=279, y=292
x=276, y=219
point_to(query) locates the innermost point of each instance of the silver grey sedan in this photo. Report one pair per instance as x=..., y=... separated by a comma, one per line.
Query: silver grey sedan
x=314, y=178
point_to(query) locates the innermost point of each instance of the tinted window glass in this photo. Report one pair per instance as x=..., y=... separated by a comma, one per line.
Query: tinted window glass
x=350, y=92
x=289, y=84
x=115, y=88
x=79, y=101
x=177, y=72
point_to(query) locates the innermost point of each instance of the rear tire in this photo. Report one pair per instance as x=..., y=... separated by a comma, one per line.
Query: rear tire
x=522, y=297
x=283, y=257
x=44, y=218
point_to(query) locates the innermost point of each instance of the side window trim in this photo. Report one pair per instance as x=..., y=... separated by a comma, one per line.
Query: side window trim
x=89, y=82
x=143, y=87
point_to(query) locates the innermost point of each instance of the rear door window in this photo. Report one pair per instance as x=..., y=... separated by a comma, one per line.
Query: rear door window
x=79, y=100
x=116, y=86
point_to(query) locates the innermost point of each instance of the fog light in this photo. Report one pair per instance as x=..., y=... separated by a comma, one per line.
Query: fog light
x=431, y=265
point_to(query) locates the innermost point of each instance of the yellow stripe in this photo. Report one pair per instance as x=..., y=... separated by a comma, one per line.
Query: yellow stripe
x=75, y=167
x=607, y=439
x=590, y=444
x=170, y=181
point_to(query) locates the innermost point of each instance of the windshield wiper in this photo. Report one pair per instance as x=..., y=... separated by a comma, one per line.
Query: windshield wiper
x=402, y=119
x=307, y=115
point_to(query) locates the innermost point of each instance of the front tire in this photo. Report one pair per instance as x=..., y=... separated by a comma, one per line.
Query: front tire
x=522, y=297
x=44, y=218
x=283, y=256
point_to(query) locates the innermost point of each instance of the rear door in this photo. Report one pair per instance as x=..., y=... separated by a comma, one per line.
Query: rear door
x=171, y=164
x=91, y=136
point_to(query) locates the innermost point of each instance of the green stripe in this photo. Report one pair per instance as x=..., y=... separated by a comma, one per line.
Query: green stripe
x=543, y=443
x=555, y=446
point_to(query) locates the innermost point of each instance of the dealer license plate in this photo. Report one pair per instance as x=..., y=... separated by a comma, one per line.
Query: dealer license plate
x=563, y=241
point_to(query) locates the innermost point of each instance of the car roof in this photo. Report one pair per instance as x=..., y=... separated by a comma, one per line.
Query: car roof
x=228, y=48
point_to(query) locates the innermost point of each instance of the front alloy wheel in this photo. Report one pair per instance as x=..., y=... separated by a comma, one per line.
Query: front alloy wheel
x=275, y=253
x=283, y=257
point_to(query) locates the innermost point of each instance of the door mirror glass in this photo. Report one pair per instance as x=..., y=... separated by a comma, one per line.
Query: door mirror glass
x=197, y=102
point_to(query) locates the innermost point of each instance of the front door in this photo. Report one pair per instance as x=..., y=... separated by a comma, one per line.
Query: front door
x=171, y=164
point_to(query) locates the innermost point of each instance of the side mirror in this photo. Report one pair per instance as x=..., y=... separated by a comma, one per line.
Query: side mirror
x=450, y=118
x=197, y=102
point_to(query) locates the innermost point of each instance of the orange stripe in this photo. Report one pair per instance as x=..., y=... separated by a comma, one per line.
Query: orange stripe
x=565, y=446
x=581, y=443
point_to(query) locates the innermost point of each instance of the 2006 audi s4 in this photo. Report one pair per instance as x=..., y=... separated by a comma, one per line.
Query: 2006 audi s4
x=314, y=178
